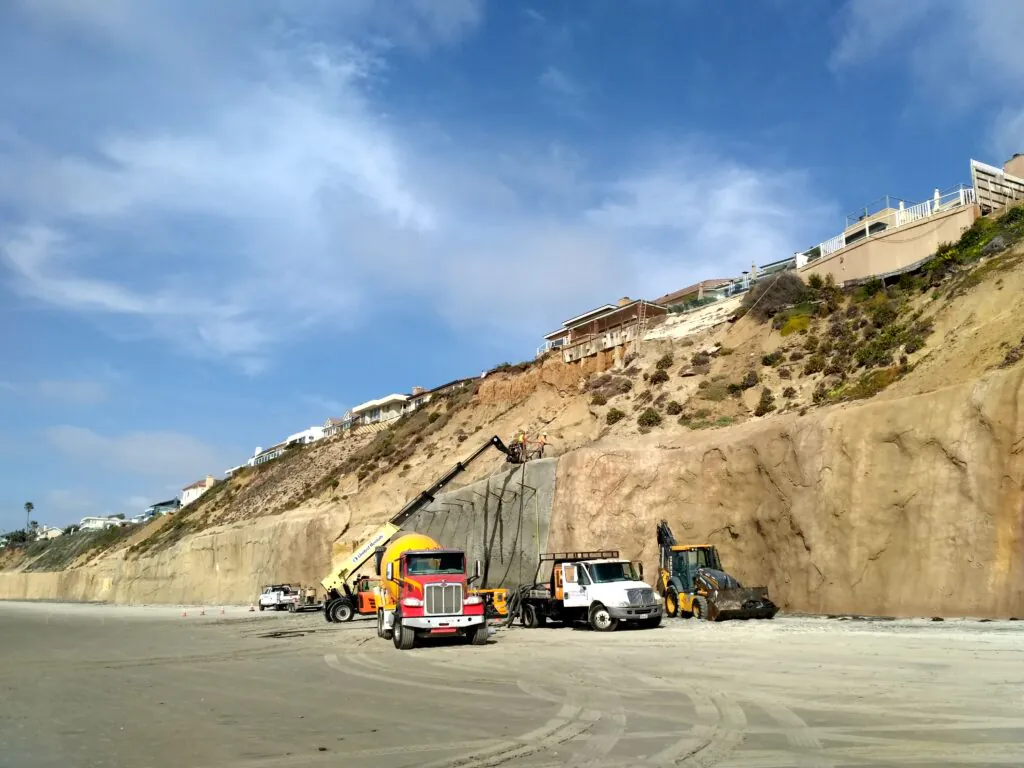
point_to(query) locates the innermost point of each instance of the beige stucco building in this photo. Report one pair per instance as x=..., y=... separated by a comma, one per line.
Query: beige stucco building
x=895, y=250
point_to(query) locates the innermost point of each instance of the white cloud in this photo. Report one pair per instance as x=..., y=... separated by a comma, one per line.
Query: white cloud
x=169, y=456
x=266, y=191
x=139, y=502
x=562, y=88
x=958, y=55
x=328, y=406
x=73, y=392
x=62, y=503
x=1008, y=133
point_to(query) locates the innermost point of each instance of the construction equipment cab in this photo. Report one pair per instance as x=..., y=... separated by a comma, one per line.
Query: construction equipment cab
x=598, y=587
x=344, y=600
x=692, y=583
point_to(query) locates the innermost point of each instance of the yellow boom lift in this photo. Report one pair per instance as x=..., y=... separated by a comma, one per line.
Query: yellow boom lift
x=345, y=600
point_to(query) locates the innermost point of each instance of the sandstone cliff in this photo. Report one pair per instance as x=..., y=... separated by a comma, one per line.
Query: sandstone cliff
x=908, y=503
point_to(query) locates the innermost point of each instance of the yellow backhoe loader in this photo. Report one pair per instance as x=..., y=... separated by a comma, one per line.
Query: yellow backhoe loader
x=693, y=584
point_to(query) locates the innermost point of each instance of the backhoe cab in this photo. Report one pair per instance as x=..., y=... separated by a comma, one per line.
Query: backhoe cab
x=692, y=583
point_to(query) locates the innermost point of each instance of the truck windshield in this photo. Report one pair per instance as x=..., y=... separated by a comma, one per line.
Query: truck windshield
x=602, y=573
x=446, y=562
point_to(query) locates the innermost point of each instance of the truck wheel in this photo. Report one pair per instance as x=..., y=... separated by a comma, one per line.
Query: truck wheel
x=478, y=636
x=700, y=608
x=532, y=616
x=601, y=620
x=342, y=611
x=263, y=607
x=672, y=602
x=651, y=623
x=403, y=637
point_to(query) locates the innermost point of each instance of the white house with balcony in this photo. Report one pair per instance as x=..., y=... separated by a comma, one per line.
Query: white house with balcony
x=381, y=410
x=306, y=436
x=192, y=492
x=98, y=523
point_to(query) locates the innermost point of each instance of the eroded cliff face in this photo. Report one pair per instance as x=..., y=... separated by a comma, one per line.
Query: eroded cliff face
x=900, y=507
x=910, y=507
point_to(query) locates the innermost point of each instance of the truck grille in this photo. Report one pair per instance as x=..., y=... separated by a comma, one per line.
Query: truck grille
x=443, y=599
x=640, y=596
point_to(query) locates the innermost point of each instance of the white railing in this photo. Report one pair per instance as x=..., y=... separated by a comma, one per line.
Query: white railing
x=939, y=203
x=833, y=245
x=914, y=213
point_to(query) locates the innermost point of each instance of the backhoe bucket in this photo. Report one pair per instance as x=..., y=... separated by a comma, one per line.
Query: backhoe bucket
x=749, y=603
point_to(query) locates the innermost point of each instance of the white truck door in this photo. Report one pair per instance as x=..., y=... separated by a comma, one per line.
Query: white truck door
x=573, y=594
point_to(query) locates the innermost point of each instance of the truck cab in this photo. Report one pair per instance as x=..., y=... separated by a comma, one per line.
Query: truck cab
x=599, y=588
x=425, y=593
x=278, y=596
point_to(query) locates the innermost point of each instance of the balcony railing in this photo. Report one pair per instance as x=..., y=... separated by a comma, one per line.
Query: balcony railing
x=881, y=225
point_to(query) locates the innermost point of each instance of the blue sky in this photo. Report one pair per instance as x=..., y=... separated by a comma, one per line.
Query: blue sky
x=221, y=223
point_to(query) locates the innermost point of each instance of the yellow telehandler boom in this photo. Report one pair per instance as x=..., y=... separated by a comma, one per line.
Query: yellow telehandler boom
x=341, y=603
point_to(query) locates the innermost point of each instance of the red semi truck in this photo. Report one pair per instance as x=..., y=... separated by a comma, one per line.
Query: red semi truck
x=424, y=592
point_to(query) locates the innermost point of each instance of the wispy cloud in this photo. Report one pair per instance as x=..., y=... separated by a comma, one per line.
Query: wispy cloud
x=266, y=191
x=958, y=55
x=327, y=405
x=562, y=90
x=168, y=456
x=73, y=392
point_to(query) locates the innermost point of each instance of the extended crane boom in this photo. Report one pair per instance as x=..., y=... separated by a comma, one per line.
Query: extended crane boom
x=336, y=584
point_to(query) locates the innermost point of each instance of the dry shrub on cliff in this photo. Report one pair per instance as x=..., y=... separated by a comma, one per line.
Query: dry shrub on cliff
x=614, y=416
x=868, y=385
x=715, y=391
x=512, y=368
x=649, y=418
x=774, y=294
x=598, y=399
x=1014, y=355
x=766, y=403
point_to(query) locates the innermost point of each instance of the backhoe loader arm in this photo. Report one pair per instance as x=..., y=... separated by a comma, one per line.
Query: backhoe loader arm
x=335, y=583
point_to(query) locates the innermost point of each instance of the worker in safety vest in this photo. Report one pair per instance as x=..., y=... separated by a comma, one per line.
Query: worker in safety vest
x=541, y=443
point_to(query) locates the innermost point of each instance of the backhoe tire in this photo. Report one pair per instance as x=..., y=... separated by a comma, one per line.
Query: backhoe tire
x=478, y=635
x=403, y=637
x=671, y=603
x=700, y=608
x=342, y=611
x=601, y=620
x=532, y=616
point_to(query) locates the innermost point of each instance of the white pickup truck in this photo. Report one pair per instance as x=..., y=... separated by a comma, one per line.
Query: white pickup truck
x=598, y=588
x=280, y=597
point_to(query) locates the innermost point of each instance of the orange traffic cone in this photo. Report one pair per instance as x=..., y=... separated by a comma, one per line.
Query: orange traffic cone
x=251, y=608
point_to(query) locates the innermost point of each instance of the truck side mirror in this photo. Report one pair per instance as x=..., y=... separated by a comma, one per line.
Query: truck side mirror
x=641, y=568
x=389, y=571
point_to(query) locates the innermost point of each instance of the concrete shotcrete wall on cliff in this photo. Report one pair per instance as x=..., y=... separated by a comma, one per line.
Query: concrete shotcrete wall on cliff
x=904, y=507
x=501, y=521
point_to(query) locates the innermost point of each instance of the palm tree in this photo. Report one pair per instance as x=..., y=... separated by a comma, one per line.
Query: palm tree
x=29, y=506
